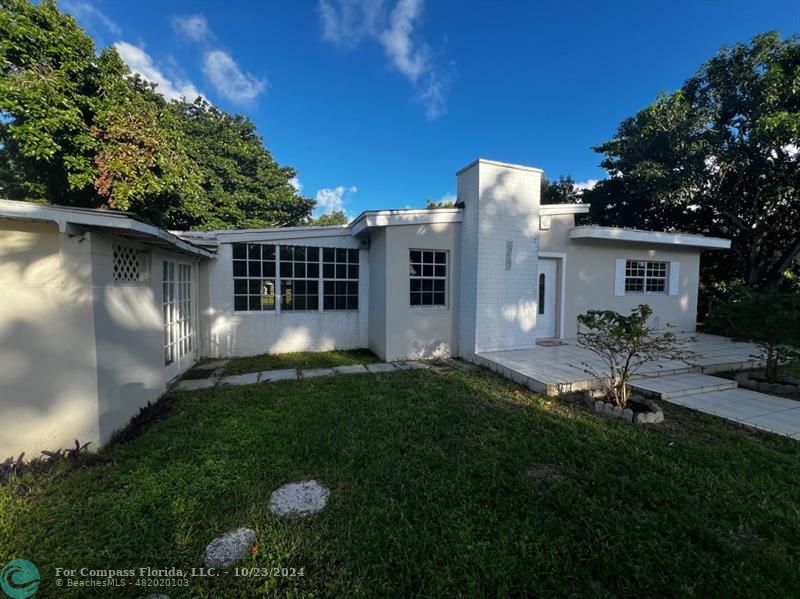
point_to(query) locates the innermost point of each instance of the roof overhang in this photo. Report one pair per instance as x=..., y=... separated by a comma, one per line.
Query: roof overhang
x=372, y=219
x=649, y=237
x=271, y=234
x=108, y=221
x=556, y=209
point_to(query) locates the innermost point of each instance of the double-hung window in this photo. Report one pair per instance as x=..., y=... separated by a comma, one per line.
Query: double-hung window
x=646, y=276
x=428, y=278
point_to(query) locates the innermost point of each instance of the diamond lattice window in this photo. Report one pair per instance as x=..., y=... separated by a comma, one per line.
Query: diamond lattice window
x=130, y=264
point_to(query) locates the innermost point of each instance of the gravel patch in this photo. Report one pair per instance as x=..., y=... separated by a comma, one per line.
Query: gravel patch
x=299, y=499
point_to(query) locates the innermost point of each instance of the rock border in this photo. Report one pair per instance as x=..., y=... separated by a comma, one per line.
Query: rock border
x=786, y=385
x=654, y=416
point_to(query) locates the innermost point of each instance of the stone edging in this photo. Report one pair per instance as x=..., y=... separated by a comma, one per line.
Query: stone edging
x=655, y=416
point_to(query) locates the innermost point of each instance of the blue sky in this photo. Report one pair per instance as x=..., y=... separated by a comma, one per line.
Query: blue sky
x=377, y=104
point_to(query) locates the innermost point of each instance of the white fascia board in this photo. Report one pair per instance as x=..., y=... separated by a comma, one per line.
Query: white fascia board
x=651, y=237
x=273, y=234
x=387, y=218
x=64, y=216
x=556, y=209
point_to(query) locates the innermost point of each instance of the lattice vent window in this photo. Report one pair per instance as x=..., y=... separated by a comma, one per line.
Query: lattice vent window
x=130, y=264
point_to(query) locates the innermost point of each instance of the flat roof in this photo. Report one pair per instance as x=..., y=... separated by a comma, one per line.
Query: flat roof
x=110, y=221
x=650, y=237
x=555, y=209
x=372, y=219
x=520, y=167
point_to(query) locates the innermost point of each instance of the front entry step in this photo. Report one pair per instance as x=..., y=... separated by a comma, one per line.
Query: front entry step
x=679, y=385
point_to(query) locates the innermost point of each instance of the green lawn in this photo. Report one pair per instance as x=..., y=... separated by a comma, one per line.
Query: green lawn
x=326, y=359
x=442, y=484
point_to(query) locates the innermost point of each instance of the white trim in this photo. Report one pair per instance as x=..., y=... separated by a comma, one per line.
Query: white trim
x=372, y=219
x=562, y=299
x=652, y=237
x=271, y=234
x=109, y=219
x=556, y=209
x=520, y=167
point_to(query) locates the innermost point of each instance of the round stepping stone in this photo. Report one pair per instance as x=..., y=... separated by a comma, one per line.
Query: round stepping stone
x=299, y=499
x=229, y=548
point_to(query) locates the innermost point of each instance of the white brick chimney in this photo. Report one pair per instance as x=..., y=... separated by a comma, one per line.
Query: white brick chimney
x=499, y=256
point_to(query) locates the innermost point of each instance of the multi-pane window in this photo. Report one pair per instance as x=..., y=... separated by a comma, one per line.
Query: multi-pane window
x=177, y=305
x=294, y=277
x=428, y=277
x=253, y=276
x=340, y=274
x=299, y=268
x=130, y=264
x=645, y=276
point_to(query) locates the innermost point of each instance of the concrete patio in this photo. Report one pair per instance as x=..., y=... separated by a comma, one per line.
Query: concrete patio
x=561, y=369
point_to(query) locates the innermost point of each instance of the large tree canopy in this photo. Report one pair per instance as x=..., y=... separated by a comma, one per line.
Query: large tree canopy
x=719, y=156
x=78, y=128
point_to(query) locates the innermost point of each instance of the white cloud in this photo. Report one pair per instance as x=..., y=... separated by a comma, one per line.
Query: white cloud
x=448, y=198
x=295, y=182
x=333, y=199
x=193, y=27
x=229, y=80
x=141, y=62
x=347, y=22
x=88, y=14
x=588, y=184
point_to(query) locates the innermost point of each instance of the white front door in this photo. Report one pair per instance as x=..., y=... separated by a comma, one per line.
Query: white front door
x=179, y=315
x=546, y=319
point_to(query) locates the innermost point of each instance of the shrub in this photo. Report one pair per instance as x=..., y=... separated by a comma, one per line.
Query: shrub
x=625, y=343
x=770, y=319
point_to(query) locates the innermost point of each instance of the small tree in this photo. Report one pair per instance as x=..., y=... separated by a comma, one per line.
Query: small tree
x=625, y=344
x=770, y=319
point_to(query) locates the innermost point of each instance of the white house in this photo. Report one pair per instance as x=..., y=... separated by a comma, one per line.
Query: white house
x=99, y=311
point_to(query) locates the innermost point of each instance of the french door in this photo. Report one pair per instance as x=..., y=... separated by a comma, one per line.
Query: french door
x=179, y=338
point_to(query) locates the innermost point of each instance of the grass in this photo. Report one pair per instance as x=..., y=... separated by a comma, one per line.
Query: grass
x=442, y=484
x=792, y=369
x=327, y=359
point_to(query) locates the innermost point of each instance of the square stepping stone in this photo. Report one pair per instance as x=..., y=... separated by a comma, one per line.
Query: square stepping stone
x=287, y=374
x=415, y=365
x=196, y=384
x=310, y=373
x=381, y=367
x=251, y=378
x=354, y=369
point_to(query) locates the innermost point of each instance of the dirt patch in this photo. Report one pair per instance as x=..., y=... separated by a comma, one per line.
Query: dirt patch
x=541, y=474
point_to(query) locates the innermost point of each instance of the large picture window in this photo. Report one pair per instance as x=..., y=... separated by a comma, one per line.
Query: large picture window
x=340, y=274
x=299, y=268
x=253, y=277
x=645, y=276
x=294, y=277
x=428, y=277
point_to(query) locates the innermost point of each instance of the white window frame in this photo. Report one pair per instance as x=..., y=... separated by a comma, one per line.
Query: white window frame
x=647, y=266
x=412, y=276
x=177, y=309
x=122, y=252
x=261, y=278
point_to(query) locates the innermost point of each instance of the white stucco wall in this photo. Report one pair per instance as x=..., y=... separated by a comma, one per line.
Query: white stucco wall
x=417, y=332
x=499, y=244
x=590, y=276
x=48, y=382
x=376, y=329
x=227, y=333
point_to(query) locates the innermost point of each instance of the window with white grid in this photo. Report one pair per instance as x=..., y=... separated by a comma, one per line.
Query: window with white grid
x=428, y=277
x=299, y=270
x=340, y=278
x=646, y=276
x=130, y=264
x=177, y=304
x=253, y=277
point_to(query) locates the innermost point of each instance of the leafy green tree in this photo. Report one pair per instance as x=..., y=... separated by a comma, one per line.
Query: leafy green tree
x=719, y=156
x=337, y=217
x=561, y=191
x=437, y=205
x=77, y=128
